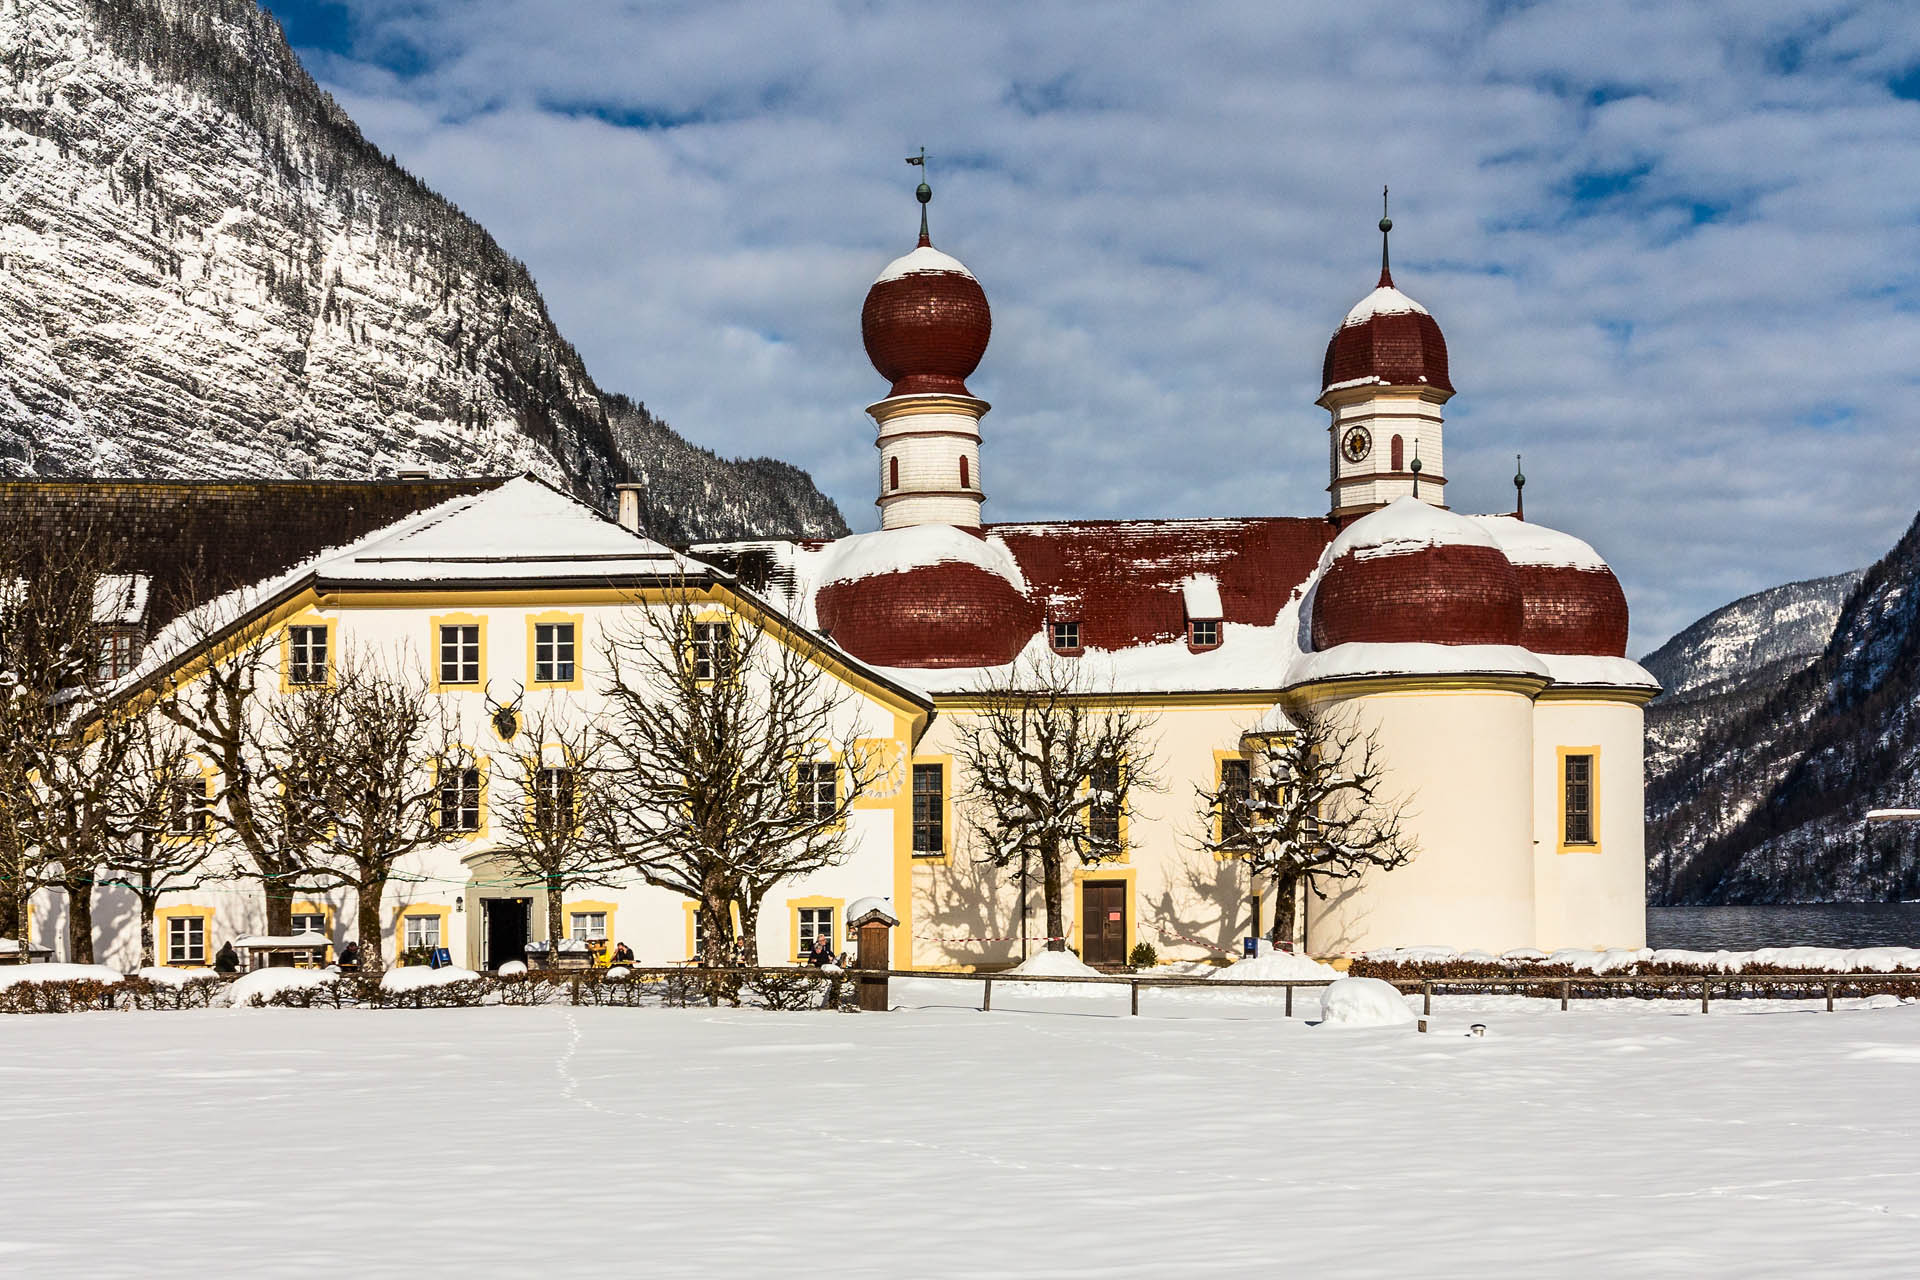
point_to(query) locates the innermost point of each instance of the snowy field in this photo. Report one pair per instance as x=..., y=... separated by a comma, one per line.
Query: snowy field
x=1053, y=1137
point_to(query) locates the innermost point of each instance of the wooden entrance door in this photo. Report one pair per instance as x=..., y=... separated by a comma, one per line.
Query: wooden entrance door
x=1103, y=922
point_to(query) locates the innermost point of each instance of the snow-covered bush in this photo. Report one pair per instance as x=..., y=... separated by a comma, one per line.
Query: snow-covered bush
x=1363, y=1002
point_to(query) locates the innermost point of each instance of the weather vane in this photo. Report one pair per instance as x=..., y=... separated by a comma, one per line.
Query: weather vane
x=922, y=193
x=1386, y=225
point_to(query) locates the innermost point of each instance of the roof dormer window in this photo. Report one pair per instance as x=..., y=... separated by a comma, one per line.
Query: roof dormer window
x=1203, y=633
x=1064, y=636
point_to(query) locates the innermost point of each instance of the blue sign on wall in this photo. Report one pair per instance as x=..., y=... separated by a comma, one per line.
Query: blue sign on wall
x=1251, y=947
x=440, y=958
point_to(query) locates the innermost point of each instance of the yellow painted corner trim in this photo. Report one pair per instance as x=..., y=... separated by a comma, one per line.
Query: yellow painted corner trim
x=555, y=617
x=1593, y=799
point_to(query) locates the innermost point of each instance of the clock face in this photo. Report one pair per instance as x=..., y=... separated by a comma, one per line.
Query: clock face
x=1356, y=443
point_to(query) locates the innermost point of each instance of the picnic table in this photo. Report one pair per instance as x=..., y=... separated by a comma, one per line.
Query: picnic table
x=262, y=947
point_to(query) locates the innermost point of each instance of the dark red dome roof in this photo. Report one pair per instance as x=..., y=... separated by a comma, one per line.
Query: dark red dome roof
x=1447, y=594
x=926, y=324
x=1387, y=338
x=938, y=615
x=1571, y=610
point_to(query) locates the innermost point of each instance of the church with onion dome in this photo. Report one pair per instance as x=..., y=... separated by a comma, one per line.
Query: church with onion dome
x=1486, y=654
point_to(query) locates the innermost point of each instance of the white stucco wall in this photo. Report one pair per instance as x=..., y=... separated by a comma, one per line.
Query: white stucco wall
x=1591, y=896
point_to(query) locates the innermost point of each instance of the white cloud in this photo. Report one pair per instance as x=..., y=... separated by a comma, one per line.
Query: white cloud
x=1710, y=370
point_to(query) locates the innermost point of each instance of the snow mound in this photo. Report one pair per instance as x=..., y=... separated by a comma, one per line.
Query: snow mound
x=1363, y=1002
x=1404, y=526
x=264, y=984
x=166, y=977
x=1537, y=545
x=1885, y=1000
x=1053, y=964
x=512, y=968
x=872, y=555
x=1585, y=961
x=415, y=976
x=619, y=971
x=1275, y=966
x=58, y=973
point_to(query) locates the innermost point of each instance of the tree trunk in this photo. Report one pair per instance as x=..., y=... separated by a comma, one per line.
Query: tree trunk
x=1286, y=892
x=148, y=952
x=367, y=913
x=279, y=904
x=1050, y=889
x=79, y=918
x=12, y=914
x=748, y=947
x=556, y=927
x=716, y=944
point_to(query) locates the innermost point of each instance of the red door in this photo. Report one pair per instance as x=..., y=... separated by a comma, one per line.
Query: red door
x=1103, y=922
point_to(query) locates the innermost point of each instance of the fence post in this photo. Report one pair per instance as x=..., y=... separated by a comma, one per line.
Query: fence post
x=1566, y=993
x=1133, y=986
x=1829, y=997
x=1706, y=990
x=1289, y=999
x=986, y=998
x=1426, y=996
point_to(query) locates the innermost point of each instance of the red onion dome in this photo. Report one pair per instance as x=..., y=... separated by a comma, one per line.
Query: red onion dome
x=1387, y=339
x=926, y=323
x=927, y=596
x=1570, y=601
x=1412, y=573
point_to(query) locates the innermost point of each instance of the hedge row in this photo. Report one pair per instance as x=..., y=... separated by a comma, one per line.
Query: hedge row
x=1460, y=976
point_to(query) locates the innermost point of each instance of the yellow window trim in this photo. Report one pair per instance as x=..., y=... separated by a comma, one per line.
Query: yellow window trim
x=303, y=907
x=945, y=857
x=419, y=909
x=815, y=902
x=480, y=764
x=692, y=909
x=1103, y=871
x=1125, y=829
x=824, y=753
x=590, y=906
x=1593, y=800
x=182, y=911
x=308, y=618
x=528, y=796
x=207, y=774
x=434, y=624
x=1219, y=819
x=708, y=614
x=556, y=617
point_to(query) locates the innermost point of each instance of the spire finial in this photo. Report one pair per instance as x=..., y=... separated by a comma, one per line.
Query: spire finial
x=1386, y=225
x=1519, y=489
x=923, y=193
x=1416, y=467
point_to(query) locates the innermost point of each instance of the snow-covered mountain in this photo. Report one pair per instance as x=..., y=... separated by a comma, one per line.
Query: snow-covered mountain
x=206, y=270
x=1725, y=664
x=1760, y=798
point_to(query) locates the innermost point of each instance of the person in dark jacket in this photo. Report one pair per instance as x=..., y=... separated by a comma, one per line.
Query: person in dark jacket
x=821, y=952
x=226, y=960
x=622, y=953
x=350, y=957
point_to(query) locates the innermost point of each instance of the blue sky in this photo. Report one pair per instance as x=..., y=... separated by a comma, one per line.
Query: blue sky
x=1673, y=247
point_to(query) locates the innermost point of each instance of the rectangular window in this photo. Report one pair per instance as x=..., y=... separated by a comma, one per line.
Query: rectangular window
x=553, y=652
x=929, y=810
x=460, y=653
x=589, y=926
x=1064, y=635
x=192, y=808
x=1103, y=813
x=817, y=789
x=1579, y=800
x=709, y=649
x=1236, y=793
x=306, y=655
x=460, y=799
x=1204, y=635
x=119, y=653
x=553, y=800
x=187, y=940
x=700, y=935
x=310, y=922
x=423, y=931
x=815, y=922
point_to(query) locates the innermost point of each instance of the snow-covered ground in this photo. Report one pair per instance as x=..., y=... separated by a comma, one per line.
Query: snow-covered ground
x=1052, y=1137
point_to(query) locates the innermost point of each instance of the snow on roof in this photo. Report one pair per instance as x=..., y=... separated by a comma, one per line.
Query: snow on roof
x=1535, y=544
x=1406, y=525
x=924, y=260
x=869, y=555
x=120, y=599
x=272, y=941
x=864, y=906
x=1384, y=301
x=1587, y=669
x=1356, y=660
x=1276, y=720
x=1201, y=593
x=523, y=529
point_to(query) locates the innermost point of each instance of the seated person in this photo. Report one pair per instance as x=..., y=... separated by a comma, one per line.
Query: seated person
x=350, y=957
x=622, y=954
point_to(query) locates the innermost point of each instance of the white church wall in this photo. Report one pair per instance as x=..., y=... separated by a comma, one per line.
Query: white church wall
x=1590, y=896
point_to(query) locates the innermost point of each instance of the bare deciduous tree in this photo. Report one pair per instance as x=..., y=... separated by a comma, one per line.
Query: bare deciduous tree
x=554, y=820
x=732, y=767
x=1051, y=766
x=160, y=838
x=1311, y=808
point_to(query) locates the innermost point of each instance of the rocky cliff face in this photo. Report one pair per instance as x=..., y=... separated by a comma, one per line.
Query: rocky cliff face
x=205, y=270
x=1764, y=803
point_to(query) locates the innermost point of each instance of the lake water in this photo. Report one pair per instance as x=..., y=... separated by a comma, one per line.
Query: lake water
x=1852, y=924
